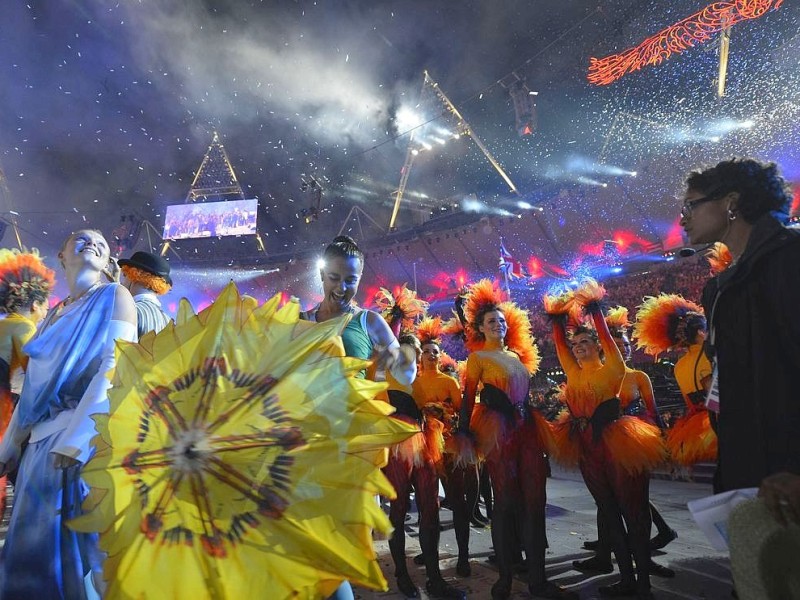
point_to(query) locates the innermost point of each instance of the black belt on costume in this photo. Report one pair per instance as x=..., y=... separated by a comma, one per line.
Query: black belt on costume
x=697, y=398
x=404, y=405
x=496, y=399
x=606, y=413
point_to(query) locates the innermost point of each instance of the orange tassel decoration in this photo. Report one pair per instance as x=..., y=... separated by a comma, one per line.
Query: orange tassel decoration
x=590, y=292
x=691, y=439
x=559, y=304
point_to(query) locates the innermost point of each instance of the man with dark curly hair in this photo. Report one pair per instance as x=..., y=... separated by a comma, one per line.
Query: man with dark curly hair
x=753, y=320
x=147, y=276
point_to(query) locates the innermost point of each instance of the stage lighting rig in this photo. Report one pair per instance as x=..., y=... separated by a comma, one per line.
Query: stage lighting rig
x=524, y=100
x=311, y=185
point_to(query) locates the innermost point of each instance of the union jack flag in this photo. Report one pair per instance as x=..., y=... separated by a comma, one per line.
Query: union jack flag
x=509, y=266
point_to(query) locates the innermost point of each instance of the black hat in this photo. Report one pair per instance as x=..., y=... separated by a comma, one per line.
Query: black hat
x=150, y=263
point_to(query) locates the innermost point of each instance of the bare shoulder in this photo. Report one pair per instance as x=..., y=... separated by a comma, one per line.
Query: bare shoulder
x=377, y=326
x=124, y=306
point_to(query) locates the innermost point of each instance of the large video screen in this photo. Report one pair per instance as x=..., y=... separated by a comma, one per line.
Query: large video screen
x=210, y=219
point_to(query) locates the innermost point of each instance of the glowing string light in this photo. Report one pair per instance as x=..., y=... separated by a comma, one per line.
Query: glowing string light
x=698, y=28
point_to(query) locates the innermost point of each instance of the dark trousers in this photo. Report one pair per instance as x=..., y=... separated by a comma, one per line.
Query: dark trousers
x=403, y=475
x=518, y=471
x=622, y=506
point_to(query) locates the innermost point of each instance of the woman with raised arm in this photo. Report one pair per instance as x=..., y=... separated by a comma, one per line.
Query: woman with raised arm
x=512, y=439
x=65, y=385
x=637, y=400
x=614, y=452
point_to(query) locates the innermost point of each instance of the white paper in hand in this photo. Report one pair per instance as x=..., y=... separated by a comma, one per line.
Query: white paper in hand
x=711, y=514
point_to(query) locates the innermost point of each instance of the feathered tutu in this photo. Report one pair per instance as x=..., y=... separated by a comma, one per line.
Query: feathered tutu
x=691, y=440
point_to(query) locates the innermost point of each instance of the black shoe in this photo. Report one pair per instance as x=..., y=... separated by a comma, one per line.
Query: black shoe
x=593, y=545
x=439, y=588
x=618, y=590
x=551, y=590
x=501, y=590
x=462, y=568
x=662, y=539
x=593, y=565
x=419, y=559
x=406, y=586
x=477, y=524
x=661, y=571
x=478, y=516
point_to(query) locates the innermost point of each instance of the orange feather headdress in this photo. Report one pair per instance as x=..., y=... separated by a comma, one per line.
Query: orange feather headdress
x=617, y=320
x=719, y=258
x=429, y=330
x=23, y=279
x=661, y=323
x=400, y=311
x=518, y=337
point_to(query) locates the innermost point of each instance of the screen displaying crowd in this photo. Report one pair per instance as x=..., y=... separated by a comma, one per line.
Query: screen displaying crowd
x=210, y=219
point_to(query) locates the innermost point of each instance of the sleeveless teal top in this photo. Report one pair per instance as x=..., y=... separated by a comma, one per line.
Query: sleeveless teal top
x=356, y=340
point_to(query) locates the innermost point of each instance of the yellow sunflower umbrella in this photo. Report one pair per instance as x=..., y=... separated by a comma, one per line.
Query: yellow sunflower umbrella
x=240, y=460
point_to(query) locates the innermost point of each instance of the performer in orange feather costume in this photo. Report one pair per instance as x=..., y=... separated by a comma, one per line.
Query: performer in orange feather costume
x=511, y=438
x=668, y=322
x=439, y=397
x=415, y=462
x=25, y=284
x=614, y=452
x=637, y=399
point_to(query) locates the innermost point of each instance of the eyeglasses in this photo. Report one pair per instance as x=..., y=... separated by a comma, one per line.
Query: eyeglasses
x=688, y=205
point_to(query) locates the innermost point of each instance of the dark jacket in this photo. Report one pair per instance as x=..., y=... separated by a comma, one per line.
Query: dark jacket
x=753, y=308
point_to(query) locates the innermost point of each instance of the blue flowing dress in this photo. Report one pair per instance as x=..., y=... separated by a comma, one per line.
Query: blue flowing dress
x=64, y=385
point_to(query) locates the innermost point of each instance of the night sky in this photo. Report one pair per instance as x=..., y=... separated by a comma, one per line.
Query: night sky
x=108, y=109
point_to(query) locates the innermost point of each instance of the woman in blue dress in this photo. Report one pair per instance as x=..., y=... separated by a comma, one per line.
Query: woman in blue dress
x=65, y=385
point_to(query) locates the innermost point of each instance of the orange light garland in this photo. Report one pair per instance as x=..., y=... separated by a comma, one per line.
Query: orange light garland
x=698, y=28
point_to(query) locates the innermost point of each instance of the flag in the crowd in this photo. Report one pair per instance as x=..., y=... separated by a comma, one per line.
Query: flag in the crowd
x=510, y=267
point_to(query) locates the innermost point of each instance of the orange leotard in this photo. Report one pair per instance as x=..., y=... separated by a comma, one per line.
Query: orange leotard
x=634, y=444
x=691, y=439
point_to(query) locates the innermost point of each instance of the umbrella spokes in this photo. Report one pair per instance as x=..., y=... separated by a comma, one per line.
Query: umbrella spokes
x=235, y=442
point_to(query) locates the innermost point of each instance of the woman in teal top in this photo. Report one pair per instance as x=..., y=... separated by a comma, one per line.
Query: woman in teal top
x=367, y=335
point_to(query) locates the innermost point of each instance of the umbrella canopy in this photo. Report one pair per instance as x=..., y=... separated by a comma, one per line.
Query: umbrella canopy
x=240, y=458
